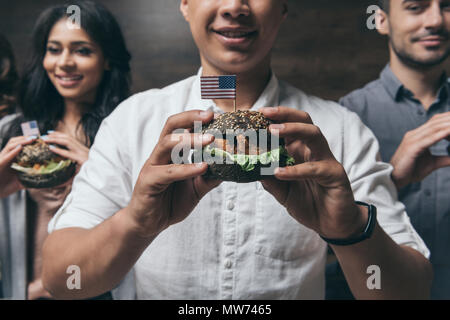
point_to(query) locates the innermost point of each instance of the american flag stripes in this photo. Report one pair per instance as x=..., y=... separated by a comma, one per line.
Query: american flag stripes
x=218, y=87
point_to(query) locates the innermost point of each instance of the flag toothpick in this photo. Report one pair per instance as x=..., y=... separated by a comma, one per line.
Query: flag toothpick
x=219, y=87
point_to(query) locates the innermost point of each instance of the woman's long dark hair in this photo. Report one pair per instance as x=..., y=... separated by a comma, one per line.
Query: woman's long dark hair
x=8, y=75
x=37, y=97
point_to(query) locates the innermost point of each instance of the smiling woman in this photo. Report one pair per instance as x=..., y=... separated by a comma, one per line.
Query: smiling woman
x=74, y=78
x=74, y=63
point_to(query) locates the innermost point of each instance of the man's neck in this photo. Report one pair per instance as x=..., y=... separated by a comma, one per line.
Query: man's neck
x=249, y=87
x=424, y=83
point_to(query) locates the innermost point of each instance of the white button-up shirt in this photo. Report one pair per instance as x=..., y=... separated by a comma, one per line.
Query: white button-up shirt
x=239, y=242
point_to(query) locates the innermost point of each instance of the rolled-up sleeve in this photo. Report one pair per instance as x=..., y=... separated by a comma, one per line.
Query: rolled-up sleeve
x=103, y=185
x=371, y=182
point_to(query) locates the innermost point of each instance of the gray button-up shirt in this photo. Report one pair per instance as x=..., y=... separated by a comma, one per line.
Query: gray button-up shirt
x=390, y=110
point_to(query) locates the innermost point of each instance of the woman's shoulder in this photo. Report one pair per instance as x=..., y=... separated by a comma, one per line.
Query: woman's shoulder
x=6, y=120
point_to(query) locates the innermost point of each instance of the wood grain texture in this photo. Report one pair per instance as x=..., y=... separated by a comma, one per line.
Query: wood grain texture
x=324, y=47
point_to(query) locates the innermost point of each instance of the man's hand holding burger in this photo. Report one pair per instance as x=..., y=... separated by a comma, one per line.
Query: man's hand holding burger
x=316, y=190
x=317, y=193
x=166, y=193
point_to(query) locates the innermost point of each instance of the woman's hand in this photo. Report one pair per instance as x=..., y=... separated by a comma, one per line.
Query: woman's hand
x=9, y=182
x=76, y=151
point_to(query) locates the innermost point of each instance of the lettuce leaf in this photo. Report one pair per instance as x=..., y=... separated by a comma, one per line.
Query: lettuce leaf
x=248, y=162
x=47, y=169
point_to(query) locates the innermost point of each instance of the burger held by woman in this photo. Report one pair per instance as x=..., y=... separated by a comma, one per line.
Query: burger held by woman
x=76, y=76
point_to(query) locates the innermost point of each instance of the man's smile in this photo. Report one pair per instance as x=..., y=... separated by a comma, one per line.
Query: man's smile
x=234, y=36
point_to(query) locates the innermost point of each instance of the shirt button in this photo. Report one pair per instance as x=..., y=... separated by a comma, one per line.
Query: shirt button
x=230, y=205
x=427, y=192
x=228, y=264
x=420, y=113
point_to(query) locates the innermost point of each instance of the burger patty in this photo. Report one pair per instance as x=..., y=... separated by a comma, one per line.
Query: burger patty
x=240, y=144
x=36, y=153
x=234, y=128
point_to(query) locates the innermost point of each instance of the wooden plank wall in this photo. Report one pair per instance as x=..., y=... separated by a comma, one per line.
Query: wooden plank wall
x=324, y=47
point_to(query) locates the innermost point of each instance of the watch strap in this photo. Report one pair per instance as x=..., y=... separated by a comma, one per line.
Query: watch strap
x=368, y=230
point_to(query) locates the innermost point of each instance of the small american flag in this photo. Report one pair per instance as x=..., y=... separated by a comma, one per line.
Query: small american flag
x=30, y=128
x=218, y=87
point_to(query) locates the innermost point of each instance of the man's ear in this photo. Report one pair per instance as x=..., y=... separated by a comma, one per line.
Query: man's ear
x=184, y=9
x=382, y=22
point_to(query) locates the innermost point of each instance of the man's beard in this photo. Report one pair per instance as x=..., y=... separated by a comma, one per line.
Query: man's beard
x=410, y=60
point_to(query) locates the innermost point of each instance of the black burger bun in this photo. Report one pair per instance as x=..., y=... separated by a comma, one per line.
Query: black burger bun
x=39, y=154
x=49, y=180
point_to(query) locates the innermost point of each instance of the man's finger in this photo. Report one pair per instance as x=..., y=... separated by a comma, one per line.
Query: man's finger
x=308, y=134
x=185, y=120
x=432, y=138
x=202, y=186
x=168, y=149
x=279, y=189
x=285, y=114
x=428, y=129
x=326, y=173
x=161, y=176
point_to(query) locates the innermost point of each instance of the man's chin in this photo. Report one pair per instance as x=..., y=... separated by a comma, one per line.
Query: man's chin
x=424, y=61
x=432, y=62
x=236, y=62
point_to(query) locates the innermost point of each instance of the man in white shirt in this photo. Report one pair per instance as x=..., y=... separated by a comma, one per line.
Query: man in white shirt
x=192, y=238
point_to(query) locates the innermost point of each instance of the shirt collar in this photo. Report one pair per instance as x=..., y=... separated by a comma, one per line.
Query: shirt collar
x=396, y=89
x=268, y=98
x=391, y=83
x=445, y=88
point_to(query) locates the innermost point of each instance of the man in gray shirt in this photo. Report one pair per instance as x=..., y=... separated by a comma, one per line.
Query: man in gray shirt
x=407, y=108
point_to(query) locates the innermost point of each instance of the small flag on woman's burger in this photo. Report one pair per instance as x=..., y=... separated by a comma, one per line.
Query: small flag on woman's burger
x=30, y=128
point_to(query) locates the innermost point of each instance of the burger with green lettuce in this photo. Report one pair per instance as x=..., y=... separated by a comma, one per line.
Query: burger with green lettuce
x=243, y=148
x=38, y=167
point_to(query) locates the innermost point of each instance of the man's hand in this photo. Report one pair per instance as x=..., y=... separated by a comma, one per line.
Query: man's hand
x=413, y=161
x=316, y=191
x=166, y=193
x=9, y=182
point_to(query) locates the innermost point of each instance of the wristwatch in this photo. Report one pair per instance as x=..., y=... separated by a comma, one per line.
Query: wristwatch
x=368, y=230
